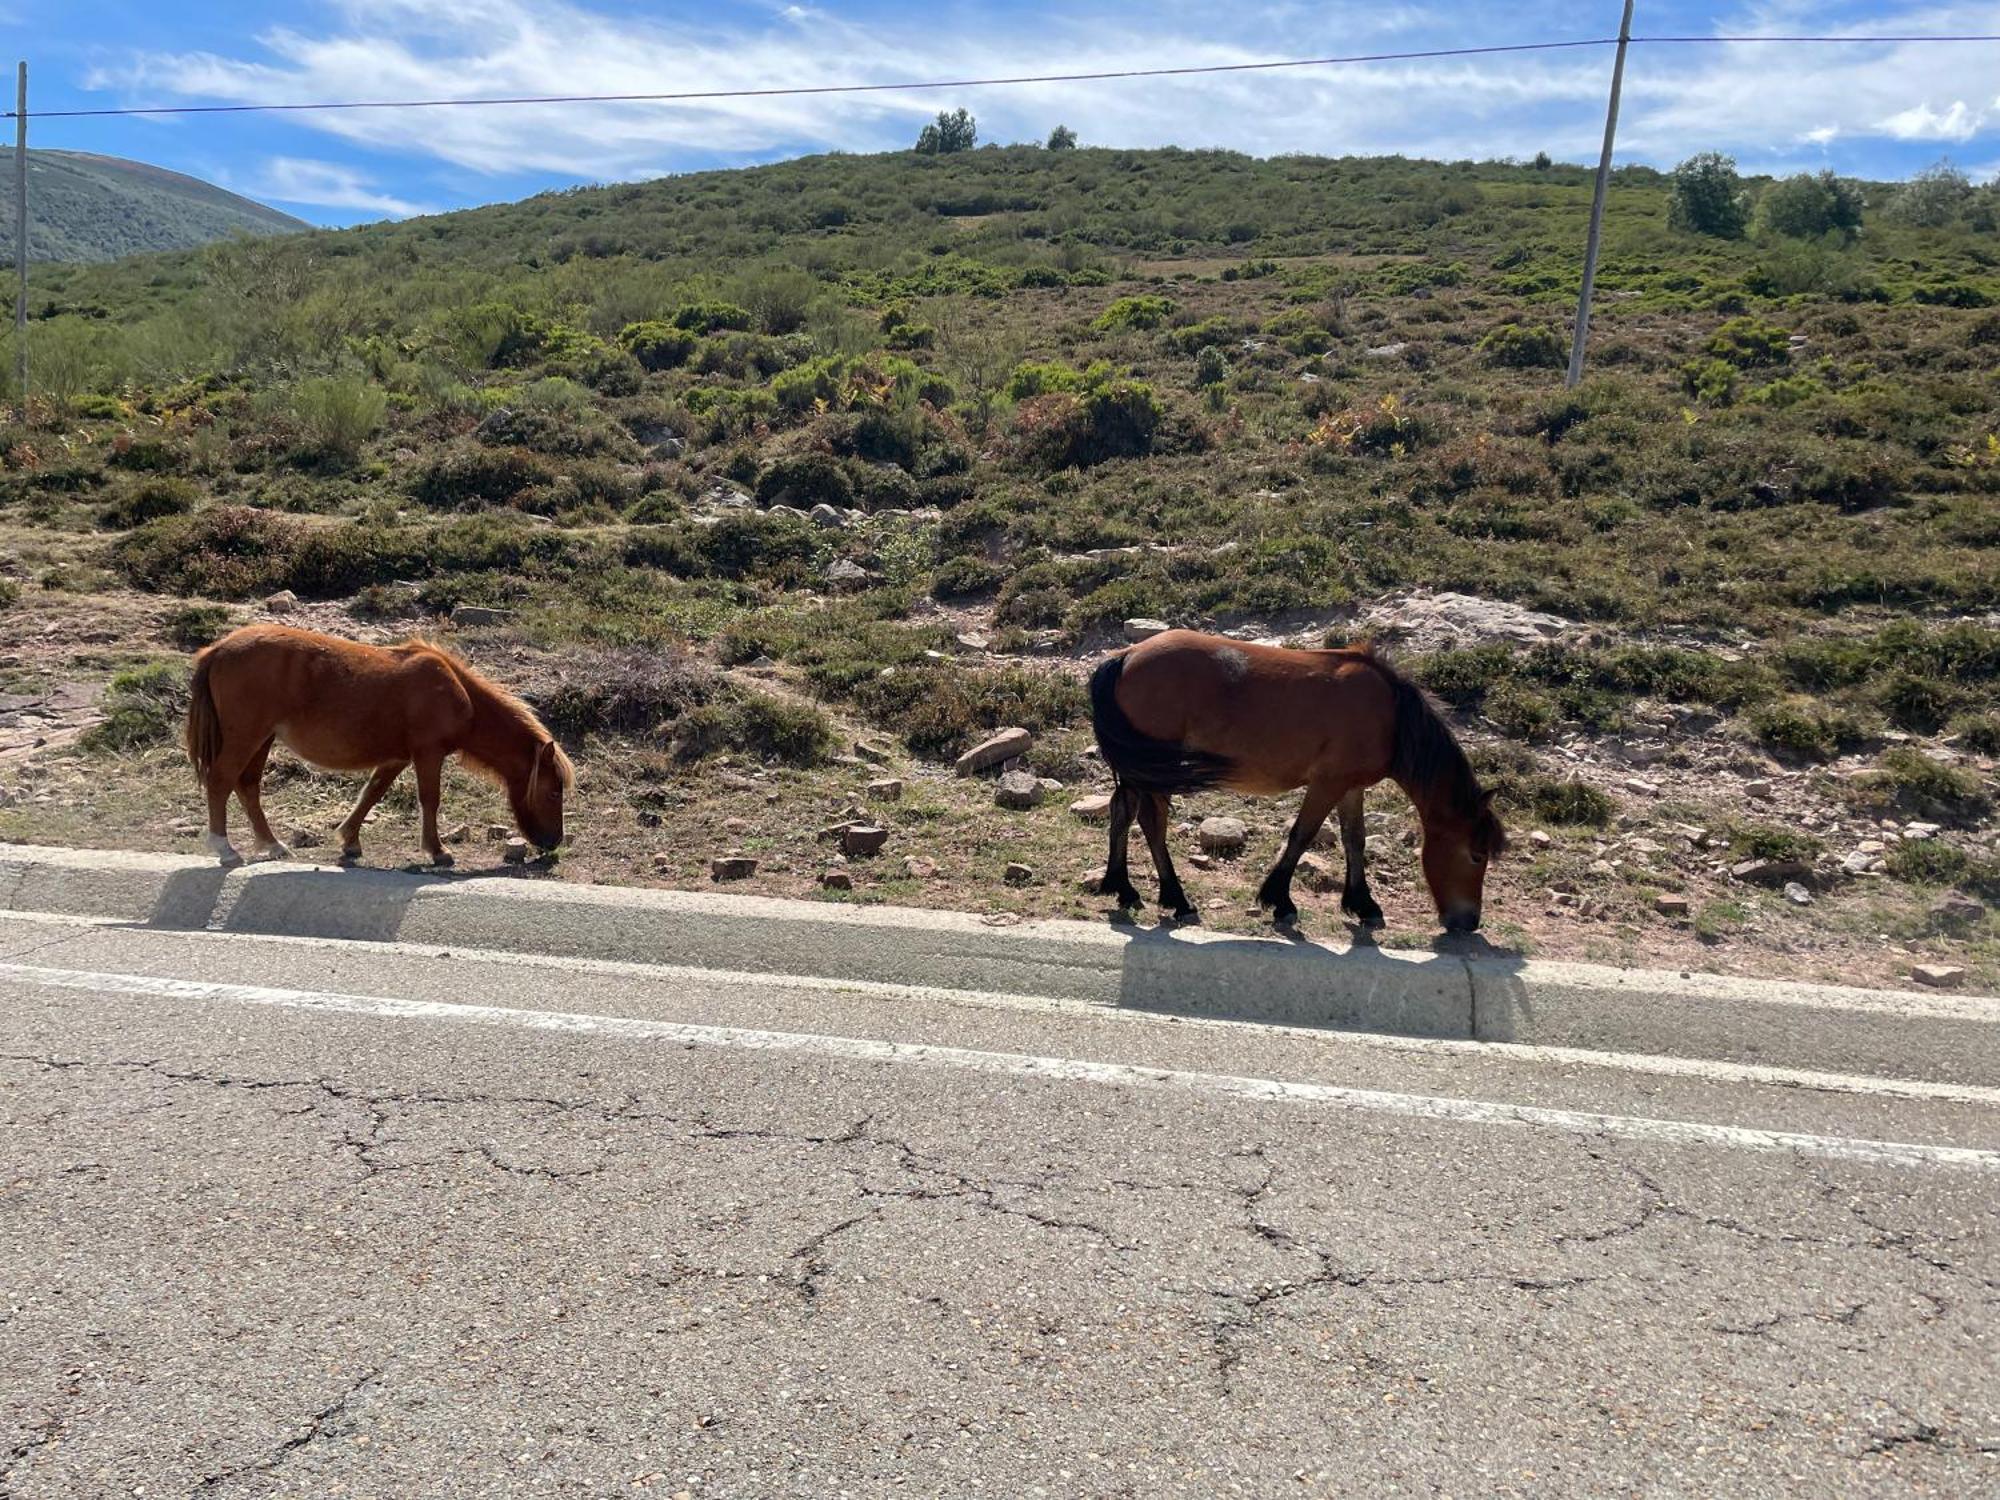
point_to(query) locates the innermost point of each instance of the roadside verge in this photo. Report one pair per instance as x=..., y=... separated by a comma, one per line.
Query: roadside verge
x=1451, y=994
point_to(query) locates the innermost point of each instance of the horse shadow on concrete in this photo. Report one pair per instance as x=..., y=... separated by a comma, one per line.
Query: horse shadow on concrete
x=354, y=903
x=1289, y=979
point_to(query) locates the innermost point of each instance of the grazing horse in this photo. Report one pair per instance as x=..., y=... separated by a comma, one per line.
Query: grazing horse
x=349, y=707
x=1182, y=712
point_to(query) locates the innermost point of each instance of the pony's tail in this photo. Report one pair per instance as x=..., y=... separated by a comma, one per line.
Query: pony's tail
x=1138, y=760
x=204, y=725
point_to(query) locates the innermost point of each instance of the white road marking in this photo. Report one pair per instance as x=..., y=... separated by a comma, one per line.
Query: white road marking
x=1707, y=1070
x=1021, y=1065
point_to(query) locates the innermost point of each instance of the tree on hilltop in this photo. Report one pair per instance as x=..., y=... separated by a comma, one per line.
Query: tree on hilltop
x=950, y=132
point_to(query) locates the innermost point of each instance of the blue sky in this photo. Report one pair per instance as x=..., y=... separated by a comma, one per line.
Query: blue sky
x=1868, y=110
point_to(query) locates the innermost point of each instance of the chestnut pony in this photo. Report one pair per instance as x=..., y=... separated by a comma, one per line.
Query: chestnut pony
x=1182, y=712
x=349, y=707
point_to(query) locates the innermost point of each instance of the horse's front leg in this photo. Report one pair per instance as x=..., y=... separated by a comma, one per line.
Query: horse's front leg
x=1355, y=898
x=1276, y=892
x=430, y=783
x=250, y=792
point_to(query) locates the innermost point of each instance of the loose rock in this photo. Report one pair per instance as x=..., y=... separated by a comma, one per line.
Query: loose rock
x=1777, y=872
x=918, y=868
x=515, y=852
x=837, y=880
x=1676, y=907
x=282, y=603
x=1018, y=874
x=1956, y=909
x=863, y=839
x=1938, y=976
x=1315, y=874
x=480, y=614
x=1018, y=791
x=889, y=789
x=1002, y=747
x=1092, y=809
x=731, y=867
x=1145, y=630
x=1797, y=894
x=1224, y=836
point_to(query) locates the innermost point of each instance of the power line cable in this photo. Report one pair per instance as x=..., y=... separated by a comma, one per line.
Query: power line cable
x=710, y=95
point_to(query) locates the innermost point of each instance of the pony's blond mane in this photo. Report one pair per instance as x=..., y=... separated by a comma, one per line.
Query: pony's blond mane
x=498, y=701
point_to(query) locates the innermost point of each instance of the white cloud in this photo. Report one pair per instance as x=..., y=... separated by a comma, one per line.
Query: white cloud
x=1825, y=135
x=326, y=184
x=1922, y=123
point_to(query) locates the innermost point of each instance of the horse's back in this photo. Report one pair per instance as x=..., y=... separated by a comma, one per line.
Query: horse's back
x=1283, y=717
x=340, y=703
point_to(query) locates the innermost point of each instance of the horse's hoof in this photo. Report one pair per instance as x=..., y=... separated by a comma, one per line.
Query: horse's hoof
x=1187, y=916
x=1364, y=910
x=351, y=855
x=1285, y=916
x=441, y=858
x=1127, y=898
x=271, y=852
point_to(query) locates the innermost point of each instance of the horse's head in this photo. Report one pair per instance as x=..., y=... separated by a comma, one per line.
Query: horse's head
x=1457, y=850
x=537, y=795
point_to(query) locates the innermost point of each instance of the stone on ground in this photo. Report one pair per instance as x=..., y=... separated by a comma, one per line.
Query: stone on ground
x=1002, y=747
x=1019, y=791
x=1224, y=836
x=1092, y=809
x=863, y=839
x=731, y=867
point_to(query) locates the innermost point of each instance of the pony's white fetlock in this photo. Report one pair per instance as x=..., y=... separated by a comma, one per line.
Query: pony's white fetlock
x=273, y=850
x=222, y=849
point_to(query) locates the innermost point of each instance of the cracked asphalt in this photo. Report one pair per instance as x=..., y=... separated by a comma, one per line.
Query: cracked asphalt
x=249, y=1249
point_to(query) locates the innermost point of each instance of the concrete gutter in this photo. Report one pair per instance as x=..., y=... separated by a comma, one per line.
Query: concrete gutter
x=1929, y=1037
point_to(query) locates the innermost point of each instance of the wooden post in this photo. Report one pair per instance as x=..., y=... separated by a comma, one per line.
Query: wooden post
x=1597, y=203
x=21, y=236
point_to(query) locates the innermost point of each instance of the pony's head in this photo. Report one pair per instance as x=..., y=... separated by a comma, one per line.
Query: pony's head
x=1458, y=846
x=536, y=794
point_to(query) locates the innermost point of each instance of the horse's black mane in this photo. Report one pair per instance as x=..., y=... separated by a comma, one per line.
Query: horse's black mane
x=1427, y=754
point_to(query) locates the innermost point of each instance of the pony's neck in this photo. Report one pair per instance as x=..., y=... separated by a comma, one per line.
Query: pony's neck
x=500, y=737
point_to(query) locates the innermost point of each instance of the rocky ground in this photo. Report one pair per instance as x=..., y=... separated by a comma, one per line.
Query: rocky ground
x=1668, y=883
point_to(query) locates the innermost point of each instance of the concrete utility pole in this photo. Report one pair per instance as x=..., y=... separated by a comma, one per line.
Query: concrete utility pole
x=1597, y=203
x=21, y=236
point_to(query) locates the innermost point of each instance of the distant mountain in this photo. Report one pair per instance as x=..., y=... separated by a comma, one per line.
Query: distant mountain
x=83, y=207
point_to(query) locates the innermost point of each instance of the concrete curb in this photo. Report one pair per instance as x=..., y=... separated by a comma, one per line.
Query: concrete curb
x=1929, y=1037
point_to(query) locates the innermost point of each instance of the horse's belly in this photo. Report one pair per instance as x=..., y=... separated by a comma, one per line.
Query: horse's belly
x=326, y=746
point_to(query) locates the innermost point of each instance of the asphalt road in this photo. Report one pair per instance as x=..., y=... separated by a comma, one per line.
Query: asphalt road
x=289, y=1218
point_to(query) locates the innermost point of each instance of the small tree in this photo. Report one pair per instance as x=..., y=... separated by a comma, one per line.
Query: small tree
x=1543, y=161
x=1808, y=206
x=1708, y=197
x=1933, y=198
x=950, y=132
x=1062, y=138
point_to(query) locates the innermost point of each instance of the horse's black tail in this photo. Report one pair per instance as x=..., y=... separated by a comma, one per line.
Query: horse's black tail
x=1138, y=760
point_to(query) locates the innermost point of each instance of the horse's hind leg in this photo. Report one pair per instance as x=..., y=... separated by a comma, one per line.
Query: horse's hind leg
x=1276, y=892
x=1355, y=898
x=376, y=789
x=250, y=790
x=224, y=775
x=1153, y=819
x=1117, y=864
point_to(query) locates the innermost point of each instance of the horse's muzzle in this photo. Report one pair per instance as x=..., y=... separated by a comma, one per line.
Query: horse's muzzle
x=1463, y=920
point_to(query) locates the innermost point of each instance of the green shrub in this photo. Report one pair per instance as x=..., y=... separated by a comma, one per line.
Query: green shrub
x=940, y=711
x=1573, y=804
x=1978, y=732
x=1520, y=711
x=1711, y=381
x=147, y=501
x=10, y=593
x=1514, y=347
x=1748, y=342
x=468, y=477
x=336, y=416
x=1810, y=205
x=1031, y=380
x=631, y=691
x=1195, y=337
x=659, y=346
x=1769, y=841
x=1211, y=367
x=712, y=317
x=1910, y=781
x=1067, y=430
x=1806, y=728
x=1302, y=331
x=193, y=626
x=963, y=577
x=143, y=707
x=805, y=481
x=1912, y=700
x=1706, y=197
x=1128, y=314
x=749, y=723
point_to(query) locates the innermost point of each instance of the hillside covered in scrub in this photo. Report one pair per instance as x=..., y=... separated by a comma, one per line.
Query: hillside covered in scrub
x=86, y=207
x=913, y=435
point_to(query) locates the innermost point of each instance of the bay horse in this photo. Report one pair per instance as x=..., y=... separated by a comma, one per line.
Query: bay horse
x=345, y=706
x=1183, y=712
